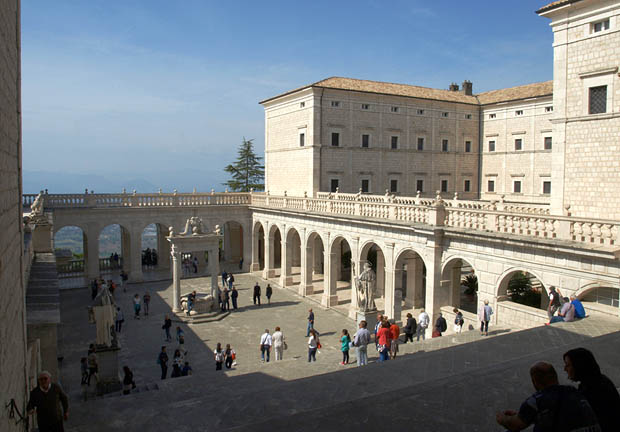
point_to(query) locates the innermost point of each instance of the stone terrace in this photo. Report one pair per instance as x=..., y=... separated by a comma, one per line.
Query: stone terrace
x=440, y=384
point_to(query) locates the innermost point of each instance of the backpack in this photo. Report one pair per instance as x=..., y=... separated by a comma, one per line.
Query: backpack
x=219, y=356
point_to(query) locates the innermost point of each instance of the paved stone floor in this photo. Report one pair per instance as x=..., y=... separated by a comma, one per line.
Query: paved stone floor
x=439, y=384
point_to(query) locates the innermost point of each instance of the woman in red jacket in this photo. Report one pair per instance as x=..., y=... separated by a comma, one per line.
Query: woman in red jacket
x=384, y=338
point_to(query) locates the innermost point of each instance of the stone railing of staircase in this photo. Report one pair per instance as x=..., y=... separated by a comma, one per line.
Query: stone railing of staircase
x=529, y=220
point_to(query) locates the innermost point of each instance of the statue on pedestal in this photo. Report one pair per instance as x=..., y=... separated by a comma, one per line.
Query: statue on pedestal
x=103, y=314
x=365, y=284
x=193, y=226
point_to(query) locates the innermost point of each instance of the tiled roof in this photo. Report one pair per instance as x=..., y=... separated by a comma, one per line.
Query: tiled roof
x=555, y=4
x=494, y=96
x=516, y=93
x=386, y=89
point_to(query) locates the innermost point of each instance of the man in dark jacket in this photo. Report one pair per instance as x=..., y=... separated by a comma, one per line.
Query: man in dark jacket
x=441, y=325
x=47, y=399
x=410, y=328
x=256, y=293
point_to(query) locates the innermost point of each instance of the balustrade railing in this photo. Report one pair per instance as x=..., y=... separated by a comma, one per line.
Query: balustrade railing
x=70, y=267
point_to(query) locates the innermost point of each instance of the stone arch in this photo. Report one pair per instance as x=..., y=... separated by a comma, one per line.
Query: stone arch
x=154, y=248
x=275, y=240
x=531, y=309
x=233, y=242
x=409, y=281
x=114, y=247
x=600, y=293
x=314, y=264
x=341, y=285
x=291, y=269
x=455, y=272
x=71, y=251
x=501, y=284
x=258, y=246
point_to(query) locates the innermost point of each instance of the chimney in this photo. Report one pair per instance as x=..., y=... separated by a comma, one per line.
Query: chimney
x=454, y=87
x=467, y=87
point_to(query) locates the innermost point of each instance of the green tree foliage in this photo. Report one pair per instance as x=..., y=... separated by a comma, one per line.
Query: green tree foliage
x=247, y=172
x=471, y=282
x=520, y=291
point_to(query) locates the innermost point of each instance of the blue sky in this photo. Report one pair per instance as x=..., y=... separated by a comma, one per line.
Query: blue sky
x=153, y=94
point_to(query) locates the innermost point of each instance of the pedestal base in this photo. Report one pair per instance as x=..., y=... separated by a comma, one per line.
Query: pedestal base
x=42, y=238
x=305, y=290
x=329, y=301
x=286, y=281
x=109, y=380
x=370, y=317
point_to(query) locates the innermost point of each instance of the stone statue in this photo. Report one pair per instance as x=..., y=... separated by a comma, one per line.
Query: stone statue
x=171, y=231
x=36, y=208
x=365, y=284
x=103, y=313
x=195, y=224
x=218, y=230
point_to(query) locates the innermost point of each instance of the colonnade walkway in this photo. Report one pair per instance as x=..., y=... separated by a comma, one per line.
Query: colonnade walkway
x=451, y=383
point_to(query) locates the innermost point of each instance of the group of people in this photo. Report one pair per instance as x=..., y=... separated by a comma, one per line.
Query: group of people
x=592, y=406
x=256, y=293
x=568, y=309
x=226, y=356
x=149, y=257
x=275, y=341
x=99, y=283
x=180, y=363
x=138, y=302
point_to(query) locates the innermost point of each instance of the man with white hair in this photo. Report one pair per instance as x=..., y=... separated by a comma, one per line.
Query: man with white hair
x=47, y=399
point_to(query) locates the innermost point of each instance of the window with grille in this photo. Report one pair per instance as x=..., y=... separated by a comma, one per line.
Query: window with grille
x=444, y=145
x=491, y=186
x=548, y=143
x=394, y=142
x=335, y=104
x=365, y=141
x=546, y=187
x=598, y=100
x=467, y=146
x=518, y=144
x=445, y=114
x=491, y=146
x=394, y=109
x=365, y=106
x=468, y=116
x=516, y=186
x=335, y=139
x=420, y=143
x=393, y=185
x=302, y=139
x=365, y=185
x=333, y=185
x=466, y=186
x=419, y=185
x=420, y=112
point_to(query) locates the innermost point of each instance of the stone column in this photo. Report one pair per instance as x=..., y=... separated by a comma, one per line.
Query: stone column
x=247, y=252
x=255, y=252
x=305, y=284
x=419, y=296
x=330, y=294
x=175, y=253
x=214, y=268
x=433, y=275
x=269, y=271
x=127, y=243
x=135, y=255
x=92, y=254
x=380, y=276
x=389, y=281
x=285, y=267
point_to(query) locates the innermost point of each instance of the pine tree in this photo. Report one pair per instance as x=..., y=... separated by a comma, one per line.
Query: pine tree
x=246, y=172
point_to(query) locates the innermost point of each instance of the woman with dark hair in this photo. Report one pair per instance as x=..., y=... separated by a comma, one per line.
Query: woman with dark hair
x=580, y=365
x=128, y=383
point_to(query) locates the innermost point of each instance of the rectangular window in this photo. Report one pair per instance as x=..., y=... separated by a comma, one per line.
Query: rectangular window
x=420, y=144
x=516, y=186
x=549, y=109
x=365, y=141
x=546, y=187
x=468, y=116
x=491, y=186
x=394, y=109
x=365, y=185
x=445, y=114
x=466, y=185
x=467, y=146
x=492, y=116
x=491, y=146
x=365, y=106
x=548, y=143
x=600, y=26
x=393, y=185
x=302, y=139
x=335, y=104
x=394, y=142
x=333, y=185
x=518, y=144
x=302, y=104
x=519, y=112
x=598, y=100
x=335, y=139
x=419, y=185
x=420, y=112
x=444, y=185
x=444, y=145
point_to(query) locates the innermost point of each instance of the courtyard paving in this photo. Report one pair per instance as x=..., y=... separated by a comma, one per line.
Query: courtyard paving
x=439, y=384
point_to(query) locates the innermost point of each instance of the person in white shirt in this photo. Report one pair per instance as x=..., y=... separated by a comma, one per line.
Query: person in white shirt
x=423, y=321
x=313, y=345
x=278, y=343
x=265, y=346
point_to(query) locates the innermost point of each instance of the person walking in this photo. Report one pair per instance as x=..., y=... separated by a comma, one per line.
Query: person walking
x=313, y=345
x=602, y=394
x=361, y=339
x=219, y=355
x=268, y=293
x=383, y=341
x=256, y=296
x=231, y=280
x=345, y=340
x=310, y=322
x=440, y=325
x=50, y=403
x=484, y=315
x=119, y=320
x=229, y=353
x=458, y=321
x=410, y=328
x=225, y=299
x=128, y=383
x=93, y=365
x=224, y=278
x=146, y=299
x=162, y=360
x=166, y=327
x=136, y=306
x=124, y=278
x=279, y=343
x=423, y=322
x=377, y=327
x=265, y=345
x=233, y=296
x=394, y=341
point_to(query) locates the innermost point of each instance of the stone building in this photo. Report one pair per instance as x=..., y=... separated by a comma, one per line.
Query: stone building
x=13, y=349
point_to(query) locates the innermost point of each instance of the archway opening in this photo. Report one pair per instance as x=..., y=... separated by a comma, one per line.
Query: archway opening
x=232, y=247
x=315, y=265
x=292, y=272
x=601, y=299
x=155, y=249
x=522, y=294
x=372, y=253
x=459, y=286
x=258, y=247
x=71, y=250
x=341, y=265
x=410, y=284
x=114, y=250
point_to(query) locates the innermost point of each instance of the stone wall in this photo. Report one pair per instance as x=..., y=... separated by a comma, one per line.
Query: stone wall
x=13, y=381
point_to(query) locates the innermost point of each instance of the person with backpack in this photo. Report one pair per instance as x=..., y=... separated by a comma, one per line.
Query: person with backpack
x=219, y=356
x=458, y=321
x=440, y=326
x=345, y=340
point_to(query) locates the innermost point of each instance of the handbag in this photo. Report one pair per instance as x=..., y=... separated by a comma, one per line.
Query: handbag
x=318, y=345
x=284, y=345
